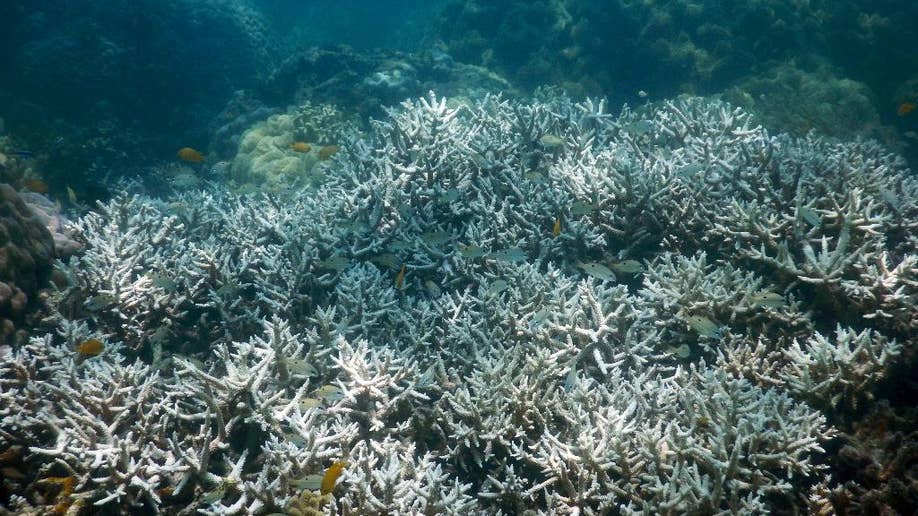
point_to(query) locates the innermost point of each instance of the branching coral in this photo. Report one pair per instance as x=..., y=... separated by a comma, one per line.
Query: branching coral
x=499, y=306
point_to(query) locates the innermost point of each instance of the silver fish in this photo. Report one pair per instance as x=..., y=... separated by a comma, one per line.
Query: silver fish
x=597, y=270
x=513, y=254
x=768, y=299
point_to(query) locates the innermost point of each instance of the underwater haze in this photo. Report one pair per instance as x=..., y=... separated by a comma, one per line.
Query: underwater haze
x=458, y=257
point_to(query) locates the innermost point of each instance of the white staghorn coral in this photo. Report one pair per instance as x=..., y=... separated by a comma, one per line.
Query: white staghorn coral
x=487, y=308
x=843, y=368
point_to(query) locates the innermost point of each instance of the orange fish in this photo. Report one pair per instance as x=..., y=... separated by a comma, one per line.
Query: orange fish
x=36, y=185
x=556, y=229
x=331, y=477
x=400, y=279
x=90, y=348
x=905, y=108
x=301, y=146
x=190, y=155
x=328, y=151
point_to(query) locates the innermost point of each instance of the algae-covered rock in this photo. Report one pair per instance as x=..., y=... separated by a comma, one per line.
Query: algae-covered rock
x=790, y=99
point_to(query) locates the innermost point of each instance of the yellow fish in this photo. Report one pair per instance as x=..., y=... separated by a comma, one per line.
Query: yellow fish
x=556, y=229
x=325, y=483
x=331, y=477
x=190, y=155
x=301, y=147
x=400, y=279
x=36, y=185
x=90, y=348
x=328, y=151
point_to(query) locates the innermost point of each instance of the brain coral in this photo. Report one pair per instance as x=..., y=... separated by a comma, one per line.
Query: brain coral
x=266, y=157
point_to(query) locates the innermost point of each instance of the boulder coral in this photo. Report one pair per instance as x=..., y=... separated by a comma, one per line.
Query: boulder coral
x=26, y=252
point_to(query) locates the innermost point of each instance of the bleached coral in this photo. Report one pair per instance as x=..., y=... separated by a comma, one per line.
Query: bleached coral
x=443, y=316
x=843, y=368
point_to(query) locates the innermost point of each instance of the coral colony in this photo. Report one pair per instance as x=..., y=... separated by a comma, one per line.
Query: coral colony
x=486, y=308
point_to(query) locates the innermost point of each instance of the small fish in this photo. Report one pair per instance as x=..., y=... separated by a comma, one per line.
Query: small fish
x=212, y=497
x=683, y=351
x=571, y=379
x=309, y=482
x=164, y=282
x=891, y=198
x=310, y=403
x=597, y=270
x=228, y=289
x=642, y=94
x=24, y=154
x=810, y=215
x=189, y=155
x=905, y=108
x=436, y=238
x=552, y=142
x=400, y=278
x=12, y=473
x=450, y=195
x=471, y=251
x=556, y=229
x=325, y=483
x=100, y=302
x=538, y=319
x=71, y=195
x=496, y=288
x=704, y=326
x=300, y=147
x=513, y=254
x=399, y=245
x=640, y=127
x=328, y=151
x=535, y=177
x=627, y=266
x=299, y=366
x=36, y=185
x=387, y=260
x=432, y=288
x=768, y=299
x=479, y=160
x=580, y=208
x=90, y=348
x=690, y=170
x=910, y=134
x=331, y=477
x=161, y=336
x=329, y=393
x=334, y=263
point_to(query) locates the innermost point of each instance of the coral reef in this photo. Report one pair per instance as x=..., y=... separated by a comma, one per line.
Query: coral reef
x=26, y=251
x=489, y=307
